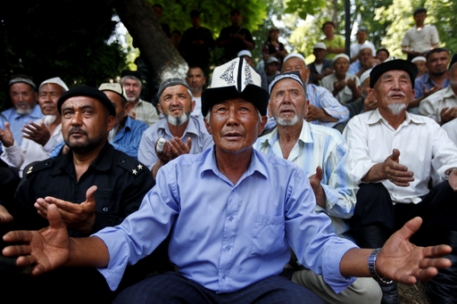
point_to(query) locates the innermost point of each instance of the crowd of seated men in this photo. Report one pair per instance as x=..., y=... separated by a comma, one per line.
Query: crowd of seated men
x=375, y=136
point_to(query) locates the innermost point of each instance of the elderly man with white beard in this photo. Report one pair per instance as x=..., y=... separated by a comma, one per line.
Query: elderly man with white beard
x=182, y=132
x=39, y=137
x=394, y=156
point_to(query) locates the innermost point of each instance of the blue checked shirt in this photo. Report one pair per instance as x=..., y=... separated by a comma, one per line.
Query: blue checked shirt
x=324, y=147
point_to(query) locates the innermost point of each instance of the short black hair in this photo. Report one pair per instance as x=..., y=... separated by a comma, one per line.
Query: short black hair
x=158, y=5
x=420, y=11
x=436, y=50
x=328, y=22
x=196, y=67
x=383, y=49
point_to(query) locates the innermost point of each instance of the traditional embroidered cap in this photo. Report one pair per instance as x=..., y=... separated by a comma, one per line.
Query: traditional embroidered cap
x=320, y=45
x=244, y=53
x=235, y=79
x=419, y=58
x=23, y=79
x=340, y=56
x=171, y=82
x=55, y=80
x=295, y=75
x=391, y=65
x=88, y=92
x=271, y=60
x=113, y=87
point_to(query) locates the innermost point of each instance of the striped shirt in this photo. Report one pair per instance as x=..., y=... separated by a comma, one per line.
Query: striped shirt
x=324, y=147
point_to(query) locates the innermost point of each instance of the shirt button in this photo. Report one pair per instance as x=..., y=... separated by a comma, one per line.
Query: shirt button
x=105, y=209
x=227, y=248
x=231, y=218
x=223, y=277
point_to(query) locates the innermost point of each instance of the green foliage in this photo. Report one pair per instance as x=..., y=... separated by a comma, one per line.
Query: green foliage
x=215, y=15
x=63, y=38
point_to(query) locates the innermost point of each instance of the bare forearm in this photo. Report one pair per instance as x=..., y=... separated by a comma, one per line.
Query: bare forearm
x=88, y=252
x=156, y=168
x=415, y=103
x=355, y=263
x=375, y=174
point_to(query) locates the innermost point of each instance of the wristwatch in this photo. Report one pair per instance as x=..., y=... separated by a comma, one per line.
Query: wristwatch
x=372, y=267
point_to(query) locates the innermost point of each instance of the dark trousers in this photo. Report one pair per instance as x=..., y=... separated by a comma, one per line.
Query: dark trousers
x=172, y=287
x=374, y=207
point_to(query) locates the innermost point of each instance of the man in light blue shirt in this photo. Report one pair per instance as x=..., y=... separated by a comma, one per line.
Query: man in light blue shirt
x=127, y=132
x=183, y=133
x=25, y=109
x=232, y=213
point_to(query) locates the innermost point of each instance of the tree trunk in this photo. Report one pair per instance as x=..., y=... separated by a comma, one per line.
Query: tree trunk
x=146, y=31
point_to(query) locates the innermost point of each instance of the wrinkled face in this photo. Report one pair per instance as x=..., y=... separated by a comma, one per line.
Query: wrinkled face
x=328, y=29
x=296, y=64
x=23, y=97
x=319, y=54
x=382, y=55
x=132, y=88
x=176, y=104
x=365, y=55
x=85, y=123
x=341, y=66
x=195, y=79
x=48, y=96
x=121, y=112
x=235, y=125
x=361, y=36
x=393, y=91
x=421, y=66
x=288, y=103
x=437, y=63
x=420, y=18
x=272, y=68
x=236, y=19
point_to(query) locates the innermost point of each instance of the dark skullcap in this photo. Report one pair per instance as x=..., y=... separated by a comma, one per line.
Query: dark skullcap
x=391, y=65
x=87, y=92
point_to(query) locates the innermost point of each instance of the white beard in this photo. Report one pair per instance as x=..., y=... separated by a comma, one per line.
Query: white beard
x=177, y=121
x=49, y=119
x=396, y=108
x=287, y=123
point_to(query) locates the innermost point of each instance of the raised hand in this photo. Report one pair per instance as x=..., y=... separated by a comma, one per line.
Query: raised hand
x=396, y=173
x=406, y=263
x=5, y=216
x=46, y=249
x=315, y=181
x=447, y=114
x=178, y=147
x=79, y=217
x=6, y=136
x=38, y=133
x=431, y=91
